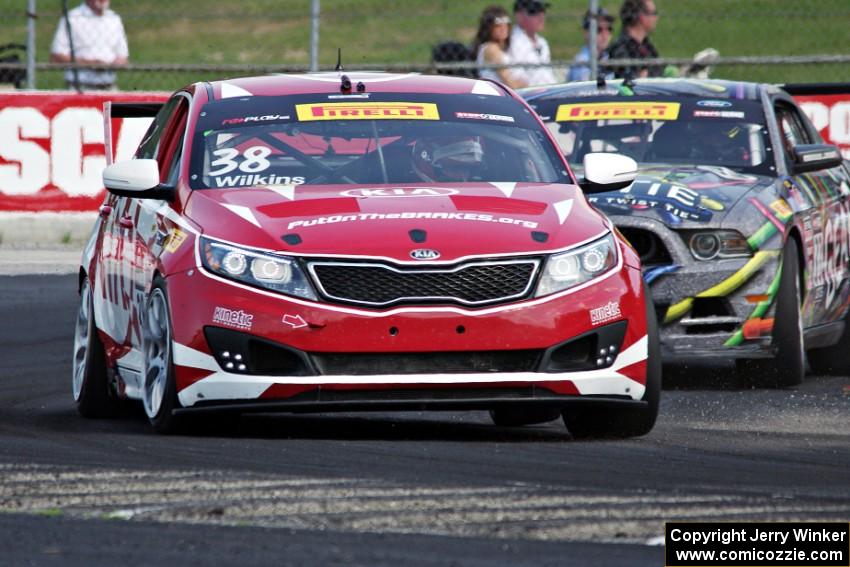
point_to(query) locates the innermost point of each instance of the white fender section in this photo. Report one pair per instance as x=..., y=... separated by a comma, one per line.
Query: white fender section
x=505, y=187
x=185, y=356
x=485, y=88
x=563, y=209
x=223, y=385
x=232, y=91
x=243, y=212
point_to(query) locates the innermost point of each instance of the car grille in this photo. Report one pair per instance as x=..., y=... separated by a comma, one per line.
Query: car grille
x=461, y=362
x=473, y=283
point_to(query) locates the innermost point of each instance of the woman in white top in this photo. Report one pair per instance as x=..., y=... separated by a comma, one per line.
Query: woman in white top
x=491, y=46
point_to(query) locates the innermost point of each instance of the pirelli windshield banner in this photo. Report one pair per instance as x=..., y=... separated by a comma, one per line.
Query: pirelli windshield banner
x=367, y=111
x=618, y=110
x=745, y=544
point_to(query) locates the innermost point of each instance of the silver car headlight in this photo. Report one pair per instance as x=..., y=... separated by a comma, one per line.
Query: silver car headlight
x=711, y=244
x=256, y=268
x=568, y=269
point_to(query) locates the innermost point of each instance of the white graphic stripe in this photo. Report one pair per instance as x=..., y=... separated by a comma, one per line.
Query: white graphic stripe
x=563, y=209
x=227, y=386
x=187, y=356
x=506, y=188
x=244, y=212
x=285, y=191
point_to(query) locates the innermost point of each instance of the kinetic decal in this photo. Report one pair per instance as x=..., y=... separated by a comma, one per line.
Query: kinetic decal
x=606, y=313
x=367, y=111
x=230, y=318
x=618, y=110
x=411, y=215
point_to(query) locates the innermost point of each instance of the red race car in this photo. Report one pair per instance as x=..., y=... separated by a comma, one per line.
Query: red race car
x=326, y=242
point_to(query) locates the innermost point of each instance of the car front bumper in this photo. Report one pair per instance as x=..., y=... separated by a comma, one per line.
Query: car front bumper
x=424, y=356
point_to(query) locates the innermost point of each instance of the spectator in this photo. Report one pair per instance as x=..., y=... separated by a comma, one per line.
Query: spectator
x=639, y=19
x=491, y=44
x=527, y=46
x=580, y=69
x=97, y=38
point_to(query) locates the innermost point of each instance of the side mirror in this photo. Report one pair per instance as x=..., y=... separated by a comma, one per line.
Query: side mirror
x=137, y=178
x=607, y=172
x=814, y=157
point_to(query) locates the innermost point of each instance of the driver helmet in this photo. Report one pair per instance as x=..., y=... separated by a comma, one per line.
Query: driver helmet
x=722, y=142
x=455, y=159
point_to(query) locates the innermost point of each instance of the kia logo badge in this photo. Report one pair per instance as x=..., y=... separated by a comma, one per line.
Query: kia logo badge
x=424, y=254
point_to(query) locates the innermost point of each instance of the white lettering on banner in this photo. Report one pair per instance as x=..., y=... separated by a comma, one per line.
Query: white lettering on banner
x=817, y=112
x=72, y=128
x=839, y=123
x=132, y=131
x=30, y=167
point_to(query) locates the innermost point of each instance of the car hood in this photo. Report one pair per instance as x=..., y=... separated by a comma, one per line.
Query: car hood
x=391, y=221
x=681, y=196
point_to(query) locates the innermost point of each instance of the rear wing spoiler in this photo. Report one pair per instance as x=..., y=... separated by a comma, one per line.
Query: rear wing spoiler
x=124, y=110
x=804, y=89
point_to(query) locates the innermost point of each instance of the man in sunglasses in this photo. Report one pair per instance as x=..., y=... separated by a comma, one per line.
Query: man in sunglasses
x=580, y=69
x=639, y=19
x=528, y=46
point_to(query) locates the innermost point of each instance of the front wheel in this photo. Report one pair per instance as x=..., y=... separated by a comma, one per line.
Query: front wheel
x=788, y=366
x=626, y=422
x=160, y=390
x=90, y=381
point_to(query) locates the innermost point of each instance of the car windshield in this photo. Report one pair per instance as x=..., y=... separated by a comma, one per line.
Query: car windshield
x=695, y=132
x=400, y=139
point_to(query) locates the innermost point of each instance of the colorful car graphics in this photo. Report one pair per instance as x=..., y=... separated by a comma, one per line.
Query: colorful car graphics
x=724, y=306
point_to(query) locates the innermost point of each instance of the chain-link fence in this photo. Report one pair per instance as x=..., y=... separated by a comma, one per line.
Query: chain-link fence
x=175, y=42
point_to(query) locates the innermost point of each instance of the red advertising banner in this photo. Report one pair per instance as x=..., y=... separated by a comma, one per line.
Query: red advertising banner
x=830, y=113
x=51, y=148
x=52, y=144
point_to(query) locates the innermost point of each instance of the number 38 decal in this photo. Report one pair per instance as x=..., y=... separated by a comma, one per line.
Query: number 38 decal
x=253, y=160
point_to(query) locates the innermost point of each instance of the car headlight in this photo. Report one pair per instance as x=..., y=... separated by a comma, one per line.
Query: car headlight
x=568, y=269
x=708, y=245
x=256, y=268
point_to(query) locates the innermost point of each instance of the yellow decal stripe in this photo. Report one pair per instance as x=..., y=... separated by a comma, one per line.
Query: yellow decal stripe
x=725, y=287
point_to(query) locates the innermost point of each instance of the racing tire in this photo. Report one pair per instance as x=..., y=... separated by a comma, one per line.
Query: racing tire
x=159, y=389
x=626, y=422
x=835, y=359
x=519, y=416
x=89, y=379
x=788, y=366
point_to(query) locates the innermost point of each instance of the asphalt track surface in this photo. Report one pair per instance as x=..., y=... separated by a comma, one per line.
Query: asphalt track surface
x=390, y=489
